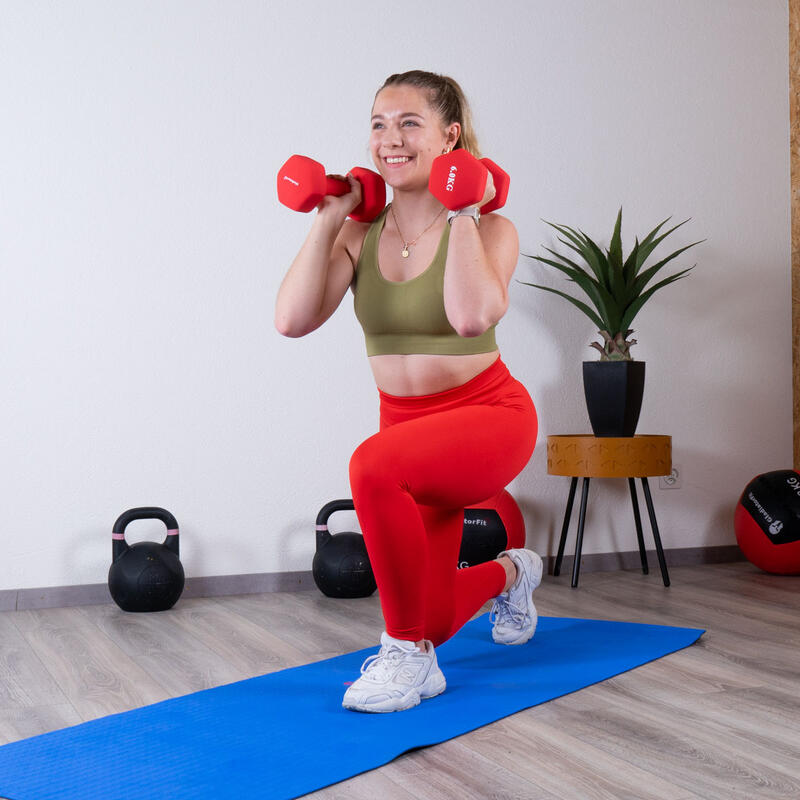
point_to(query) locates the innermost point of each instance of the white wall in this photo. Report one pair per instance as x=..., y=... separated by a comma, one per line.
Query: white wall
x=141, y=248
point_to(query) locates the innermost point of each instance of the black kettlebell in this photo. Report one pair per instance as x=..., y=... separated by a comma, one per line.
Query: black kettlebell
x=341, y=565
x=484, y=537
x=146, y=576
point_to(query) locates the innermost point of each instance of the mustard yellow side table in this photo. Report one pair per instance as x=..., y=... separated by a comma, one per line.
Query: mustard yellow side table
x=586, y=456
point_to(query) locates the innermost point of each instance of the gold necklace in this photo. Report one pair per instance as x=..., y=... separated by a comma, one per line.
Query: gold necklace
x=406, y=244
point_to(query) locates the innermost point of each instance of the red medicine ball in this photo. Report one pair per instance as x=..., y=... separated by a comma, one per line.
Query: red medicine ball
x=767, y=522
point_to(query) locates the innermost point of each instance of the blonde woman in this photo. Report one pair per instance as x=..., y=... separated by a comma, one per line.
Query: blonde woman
x=455, y=427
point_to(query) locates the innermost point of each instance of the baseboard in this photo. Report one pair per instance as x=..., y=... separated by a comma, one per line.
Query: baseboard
x=677, y=557
x=257, y=583
x=212, y=586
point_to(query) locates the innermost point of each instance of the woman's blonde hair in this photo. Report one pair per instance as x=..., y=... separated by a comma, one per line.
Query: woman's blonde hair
x=445, y=97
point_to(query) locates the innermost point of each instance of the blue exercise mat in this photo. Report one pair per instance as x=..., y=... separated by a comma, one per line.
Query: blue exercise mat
x=285, y=734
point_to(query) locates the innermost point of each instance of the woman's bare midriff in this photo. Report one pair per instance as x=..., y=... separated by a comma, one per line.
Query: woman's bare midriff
x=418, y=374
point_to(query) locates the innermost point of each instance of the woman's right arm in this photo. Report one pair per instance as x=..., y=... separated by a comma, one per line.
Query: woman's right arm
x=322, y=271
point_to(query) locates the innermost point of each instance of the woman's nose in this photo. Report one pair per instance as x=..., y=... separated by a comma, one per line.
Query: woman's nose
x=393, y=135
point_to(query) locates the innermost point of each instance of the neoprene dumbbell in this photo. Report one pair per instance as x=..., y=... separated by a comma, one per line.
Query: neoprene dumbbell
x=458, y=179
x=302, y=183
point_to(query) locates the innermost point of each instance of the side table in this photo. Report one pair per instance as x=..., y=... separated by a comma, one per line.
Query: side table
x=586, y=456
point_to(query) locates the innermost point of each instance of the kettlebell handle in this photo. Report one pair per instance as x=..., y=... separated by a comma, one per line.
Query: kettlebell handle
x=145, y=512
x=323, y=535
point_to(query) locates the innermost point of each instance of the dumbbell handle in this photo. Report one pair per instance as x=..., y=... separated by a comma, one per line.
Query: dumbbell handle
x=302, y=184
x=333, y=186
x=501, y=182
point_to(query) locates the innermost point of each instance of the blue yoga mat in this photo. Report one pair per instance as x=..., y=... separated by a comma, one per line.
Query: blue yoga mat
x=285, y=734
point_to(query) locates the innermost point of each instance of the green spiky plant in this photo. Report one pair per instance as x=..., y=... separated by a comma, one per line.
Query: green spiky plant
x=616, y=287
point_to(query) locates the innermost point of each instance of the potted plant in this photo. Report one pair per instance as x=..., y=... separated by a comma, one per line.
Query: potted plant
x=617, y=288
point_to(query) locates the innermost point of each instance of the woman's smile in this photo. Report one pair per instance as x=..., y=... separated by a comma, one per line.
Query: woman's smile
x=397, y=161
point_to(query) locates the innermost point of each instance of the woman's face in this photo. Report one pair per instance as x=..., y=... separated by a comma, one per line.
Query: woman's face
x=407, y=134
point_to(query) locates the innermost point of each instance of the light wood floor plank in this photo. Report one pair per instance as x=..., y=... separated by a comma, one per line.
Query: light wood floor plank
x=174, y=658
x=773, y=745
x=687, y=748
x=778, y=591
x=452, y=770
x=95, y=675
x=285, y=616
x=249, y=648
x=22, y=723
x=24, y=681
x=372, y=785
x=565, y=765
x=756, y=709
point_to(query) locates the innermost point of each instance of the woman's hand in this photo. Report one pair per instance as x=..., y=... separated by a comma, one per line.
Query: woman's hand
x=490, y=191
x=340, y=207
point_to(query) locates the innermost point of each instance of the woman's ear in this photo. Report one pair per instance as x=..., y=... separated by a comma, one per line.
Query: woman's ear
x=453, y=134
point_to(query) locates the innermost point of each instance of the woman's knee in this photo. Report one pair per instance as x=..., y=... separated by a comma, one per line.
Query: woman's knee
x=369, y=465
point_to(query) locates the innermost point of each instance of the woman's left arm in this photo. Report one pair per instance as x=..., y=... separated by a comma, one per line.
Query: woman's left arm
x=479, y=266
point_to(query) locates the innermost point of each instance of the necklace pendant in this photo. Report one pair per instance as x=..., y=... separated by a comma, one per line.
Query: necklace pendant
x=405, y=252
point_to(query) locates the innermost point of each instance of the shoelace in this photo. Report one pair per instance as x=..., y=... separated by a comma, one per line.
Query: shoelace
x=383, y=663
x=507, y=613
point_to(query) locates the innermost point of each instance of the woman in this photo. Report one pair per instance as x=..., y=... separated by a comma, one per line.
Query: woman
x=455, y=427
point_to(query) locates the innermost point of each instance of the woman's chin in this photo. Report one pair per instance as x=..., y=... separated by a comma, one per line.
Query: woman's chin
x=405, y=184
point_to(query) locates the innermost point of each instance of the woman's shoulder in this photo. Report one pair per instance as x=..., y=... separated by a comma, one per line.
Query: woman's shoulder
x=496, y=227
x=497, y=222
x=353, y=234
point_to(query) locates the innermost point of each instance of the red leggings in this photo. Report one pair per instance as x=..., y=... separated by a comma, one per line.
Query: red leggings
x=435, y=455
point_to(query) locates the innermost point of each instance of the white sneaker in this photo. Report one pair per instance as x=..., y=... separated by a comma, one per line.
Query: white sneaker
x=513, y=613
x=395, y=678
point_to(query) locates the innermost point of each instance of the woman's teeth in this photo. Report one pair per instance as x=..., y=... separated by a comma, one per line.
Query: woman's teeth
x=397, y=159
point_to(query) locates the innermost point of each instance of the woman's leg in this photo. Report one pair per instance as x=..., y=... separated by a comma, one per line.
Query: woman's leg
x=453, y=595
x=410, y=485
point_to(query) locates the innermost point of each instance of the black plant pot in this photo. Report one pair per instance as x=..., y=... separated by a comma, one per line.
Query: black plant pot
x=614, y=391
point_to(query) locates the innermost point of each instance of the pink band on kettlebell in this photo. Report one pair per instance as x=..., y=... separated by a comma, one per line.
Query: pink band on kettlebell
x=118, y=536
x=321, y=527
x=172, y=533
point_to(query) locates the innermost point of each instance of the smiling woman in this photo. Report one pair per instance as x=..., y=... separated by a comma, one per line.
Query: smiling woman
x=417, y=117
x=455, y=426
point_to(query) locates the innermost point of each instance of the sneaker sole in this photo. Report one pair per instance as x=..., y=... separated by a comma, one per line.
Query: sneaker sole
x=433, y=687
x=526, y=637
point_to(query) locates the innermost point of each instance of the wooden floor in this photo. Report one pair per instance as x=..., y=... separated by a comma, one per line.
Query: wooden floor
x=720, y=719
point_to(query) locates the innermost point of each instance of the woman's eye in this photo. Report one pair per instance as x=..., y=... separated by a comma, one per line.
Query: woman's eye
x=379, y=125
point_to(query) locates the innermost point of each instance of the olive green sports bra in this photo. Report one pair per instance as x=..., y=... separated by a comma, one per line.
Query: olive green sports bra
x=408, y=316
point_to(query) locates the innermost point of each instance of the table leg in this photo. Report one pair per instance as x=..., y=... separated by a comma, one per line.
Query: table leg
x=638, y=519
x=579, y=543
x=659, y=549
x=565, y=527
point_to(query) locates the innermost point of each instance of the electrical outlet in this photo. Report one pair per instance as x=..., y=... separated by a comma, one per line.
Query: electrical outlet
x=671, y=481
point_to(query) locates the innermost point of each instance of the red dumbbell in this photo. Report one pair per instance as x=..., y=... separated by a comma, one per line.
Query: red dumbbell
x=302, y=183
x=458, y=179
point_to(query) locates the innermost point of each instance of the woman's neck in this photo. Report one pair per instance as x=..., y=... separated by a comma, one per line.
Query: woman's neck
x=414, y=210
